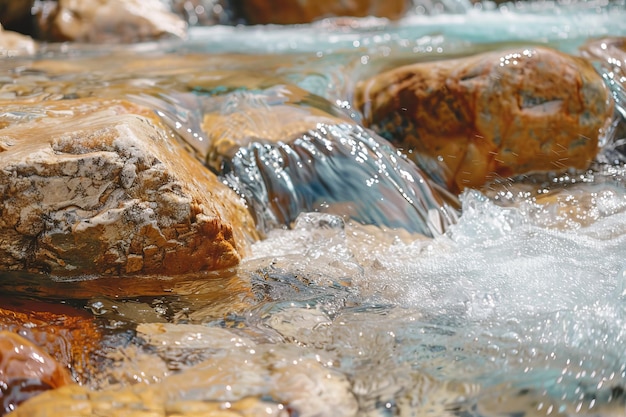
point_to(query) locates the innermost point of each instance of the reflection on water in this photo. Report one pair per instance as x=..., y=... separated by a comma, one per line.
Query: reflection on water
x=514, y=309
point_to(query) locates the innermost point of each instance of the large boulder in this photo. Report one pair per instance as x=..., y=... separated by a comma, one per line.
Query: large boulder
x=292, y=12
x=491, y=115
x=102, y=187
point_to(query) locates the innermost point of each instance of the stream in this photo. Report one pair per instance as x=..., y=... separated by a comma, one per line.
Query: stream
x=509, y=300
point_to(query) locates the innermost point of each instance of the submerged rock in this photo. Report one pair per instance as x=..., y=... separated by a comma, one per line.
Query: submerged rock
x=287, y=151
x=496, y=114
x=101, y=187
x=69, y=335
x=26, y=371
x=292, y=12
x=222, y=374
x=101, y=21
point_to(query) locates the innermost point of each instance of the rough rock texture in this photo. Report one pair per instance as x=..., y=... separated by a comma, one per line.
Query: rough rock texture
x=496, y=114
x=232, y=376
x=292, y=12
x=25, y=371
x=100, y=187
x=103, y=21
x=13, y=44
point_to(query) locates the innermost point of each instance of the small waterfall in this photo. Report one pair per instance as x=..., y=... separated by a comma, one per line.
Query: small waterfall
x=286, y=151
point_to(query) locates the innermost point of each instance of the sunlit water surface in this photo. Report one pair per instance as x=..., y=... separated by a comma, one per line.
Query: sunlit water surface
x=518, y=309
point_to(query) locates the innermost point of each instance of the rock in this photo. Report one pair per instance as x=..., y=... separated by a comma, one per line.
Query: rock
x=287, y=152
x=109, y=21
x=286, y=12
x=102, y=187
x=496, y=114
x=234, y=376
x=14, y=44
x=26, y=371
x=67, y=334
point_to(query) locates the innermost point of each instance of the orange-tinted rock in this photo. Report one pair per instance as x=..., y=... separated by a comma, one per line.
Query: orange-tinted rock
x=25, y=371
x=293, y=12
x=102, y=187
x=67, y=334
x=102, y=21
x=496, y=114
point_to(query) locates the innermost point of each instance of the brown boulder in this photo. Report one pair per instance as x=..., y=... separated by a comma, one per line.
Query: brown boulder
x=286, y=12
x=103, y=21
x=496, y=114
x=102, y=187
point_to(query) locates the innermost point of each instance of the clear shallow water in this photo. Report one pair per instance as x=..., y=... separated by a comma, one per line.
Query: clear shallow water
x=505, y=315
x=517, y=310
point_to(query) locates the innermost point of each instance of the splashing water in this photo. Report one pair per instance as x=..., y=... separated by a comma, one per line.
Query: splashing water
x=515, y=309
x=500, y=316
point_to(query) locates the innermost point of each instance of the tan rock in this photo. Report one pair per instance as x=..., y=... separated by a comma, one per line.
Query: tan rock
x=110, y=21
x=292, y=12
x=14, y=44
x=495, y=114
x=101, y=187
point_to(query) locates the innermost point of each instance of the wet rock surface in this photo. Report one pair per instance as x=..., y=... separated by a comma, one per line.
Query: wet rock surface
x=286, y=157
x=67, y=334
x=245, y=379
x=26, y=371
x=494, y=115
x=109, y=192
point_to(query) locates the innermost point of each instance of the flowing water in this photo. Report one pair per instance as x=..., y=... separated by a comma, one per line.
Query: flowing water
x=508, y=301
